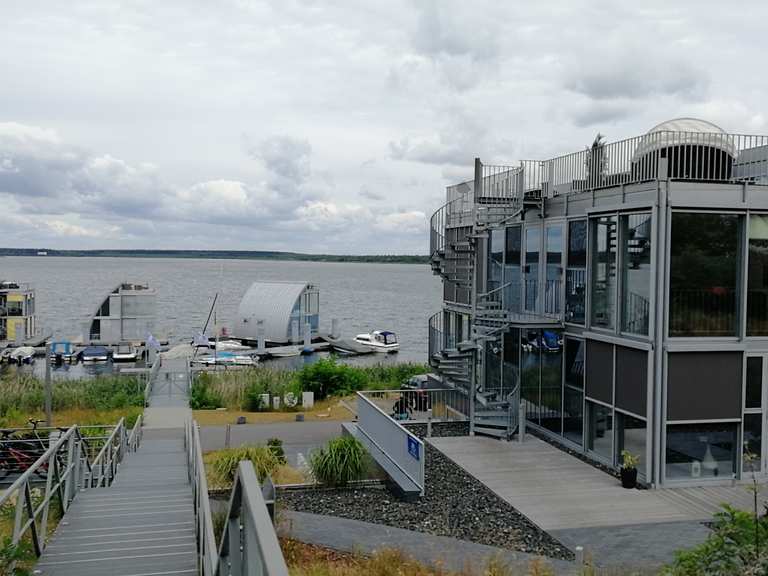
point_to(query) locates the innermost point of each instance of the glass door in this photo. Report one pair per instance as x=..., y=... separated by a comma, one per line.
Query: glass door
x=754, y=428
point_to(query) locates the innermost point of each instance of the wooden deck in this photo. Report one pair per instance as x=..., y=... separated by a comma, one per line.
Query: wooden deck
x=557, y=491
x=144, y=524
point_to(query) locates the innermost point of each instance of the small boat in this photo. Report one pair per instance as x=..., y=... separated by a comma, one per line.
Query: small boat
x=230, y=346
x=124, y=353
x=284, y=351
x=23, y=355
x=5, y=356
x=227, y=359
x=94, y=354
x=379, y=341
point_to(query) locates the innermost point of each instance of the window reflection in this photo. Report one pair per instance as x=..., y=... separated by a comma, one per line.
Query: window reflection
x=636, y=272
x=576, y=272
x=701, y=451
x=604, y=272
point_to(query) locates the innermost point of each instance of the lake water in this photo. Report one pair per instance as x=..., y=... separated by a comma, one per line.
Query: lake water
x=364, y=297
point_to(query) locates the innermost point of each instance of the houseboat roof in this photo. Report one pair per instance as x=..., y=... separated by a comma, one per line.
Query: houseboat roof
x=274, y=303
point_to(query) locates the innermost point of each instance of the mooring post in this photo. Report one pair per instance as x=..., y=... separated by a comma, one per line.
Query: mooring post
x=261, y=344
x=48, y=391
x=335, y=328
x=307, y=335
x=521, y=422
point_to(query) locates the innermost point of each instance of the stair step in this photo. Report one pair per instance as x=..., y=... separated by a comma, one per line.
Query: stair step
x=500, y=432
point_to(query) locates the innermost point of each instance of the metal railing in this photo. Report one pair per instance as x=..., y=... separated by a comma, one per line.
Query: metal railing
x=513, y=402
x=64, y=469
x=153, y=372
x=397, y=451
x=134, y=438
x=249, y=544
x=456, y=212
x=103, y=469
x=435, y=404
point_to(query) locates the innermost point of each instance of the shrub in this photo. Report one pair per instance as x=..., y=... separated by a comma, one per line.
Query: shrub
x=11, y=554
x=224, y=464
x=344, y=459
x=327, y=377
x=202, y=396
x=276, y=445
x=730, y=549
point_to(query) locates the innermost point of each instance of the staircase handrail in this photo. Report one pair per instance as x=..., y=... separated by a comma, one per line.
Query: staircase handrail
x=513, y=399
x=439, y=220
x=134, y=438
x=104, y=466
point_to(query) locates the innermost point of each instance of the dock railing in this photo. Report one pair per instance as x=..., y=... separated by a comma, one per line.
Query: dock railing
x=103, y=469
x=396, y=449
x=248, y=544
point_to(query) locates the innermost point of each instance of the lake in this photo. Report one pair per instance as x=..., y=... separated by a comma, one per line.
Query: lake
x=364, y=297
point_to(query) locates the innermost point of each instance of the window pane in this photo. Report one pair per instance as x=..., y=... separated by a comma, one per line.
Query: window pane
x=630, y=435
x=512, y=270
x=704, y=274
x=573, y=418
x=600, y=430
x=754, y=392
x=492, y=366
x=495, y=259
x=551, y=380
x=636, y=272
x=753, y=430
x=757, y=277
x=604, y=272
x=574, y=363
x=532, y=236
x=701, y=450
x=575, y=282
x=511, y=373
x=530, y=356
x=577, y=244
x=554, y=270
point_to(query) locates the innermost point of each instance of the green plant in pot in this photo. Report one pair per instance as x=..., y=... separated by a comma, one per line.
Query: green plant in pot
x=628, y=470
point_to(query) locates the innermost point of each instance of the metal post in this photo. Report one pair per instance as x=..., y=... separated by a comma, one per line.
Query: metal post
x=294, y=331
x=261, y=343
x=429, y=423
x=228, y=436
x=579, y=553
x=307, y=335
x=335, y=328
x=521, y=421
x=48, y=392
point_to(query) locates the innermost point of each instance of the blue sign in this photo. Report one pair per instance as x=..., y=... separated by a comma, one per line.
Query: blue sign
x=413, y=447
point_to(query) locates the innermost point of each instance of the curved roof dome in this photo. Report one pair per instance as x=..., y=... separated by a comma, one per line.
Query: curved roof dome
x=274, y=303
x=682, y=131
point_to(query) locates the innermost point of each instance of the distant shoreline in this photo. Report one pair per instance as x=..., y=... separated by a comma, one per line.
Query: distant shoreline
x=218, y=254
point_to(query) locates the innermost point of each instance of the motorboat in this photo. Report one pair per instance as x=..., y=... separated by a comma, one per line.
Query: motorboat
x=226, y=359
x=124, y=353
x=23, y=355
x=63, y=351
x=284, y=351
x=94, y=354
x=379, y=341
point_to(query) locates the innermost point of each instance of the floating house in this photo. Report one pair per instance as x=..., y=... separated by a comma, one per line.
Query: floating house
x=280, y=309
x=127, y=314
x=17, y=312
x=617, y=298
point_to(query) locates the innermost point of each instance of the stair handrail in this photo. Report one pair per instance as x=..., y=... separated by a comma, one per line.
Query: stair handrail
x=63, y=467
x=104, y=466
x=498, y=289
x=249, y=543
x=134, y=438
x=513, y=399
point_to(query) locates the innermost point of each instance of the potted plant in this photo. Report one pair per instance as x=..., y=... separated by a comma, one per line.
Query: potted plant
x=629, y=464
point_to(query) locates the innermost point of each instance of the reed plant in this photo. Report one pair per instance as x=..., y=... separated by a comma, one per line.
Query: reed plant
x=343, y=460
x=223, y=464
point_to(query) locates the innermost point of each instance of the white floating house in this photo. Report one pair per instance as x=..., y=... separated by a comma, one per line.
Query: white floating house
x=126, y=314
x=284, y=308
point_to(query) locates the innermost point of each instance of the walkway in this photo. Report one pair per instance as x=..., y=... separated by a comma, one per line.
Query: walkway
x=449, y=553
x=144, y=524
x=581, y=505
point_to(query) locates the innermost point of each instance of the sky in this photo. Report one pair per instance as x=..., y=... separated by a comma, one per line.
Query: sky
x=325, y=126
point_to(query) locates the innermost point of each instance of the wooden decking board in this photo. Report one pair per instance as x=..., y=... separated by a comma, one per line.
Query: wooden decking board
x=557, y=491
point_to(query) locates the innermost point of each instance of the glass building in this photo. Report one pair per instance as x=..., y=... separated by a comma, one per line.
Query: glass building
x=616, y=297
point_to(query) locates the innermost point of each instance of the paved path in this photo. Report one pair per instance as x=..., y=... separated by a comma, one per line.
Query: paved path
x=581, y=505
x=452, y=554
x=299, y=438
x=169, y=400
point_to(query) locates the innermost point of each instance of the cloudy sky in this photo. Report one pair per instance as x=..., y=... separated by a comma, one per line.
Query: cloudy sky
x=327, y=125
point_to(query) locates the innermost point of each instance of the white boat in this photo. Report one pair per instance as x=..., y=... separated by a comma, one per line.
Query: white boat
x=379, y=341
x=227, y=359
x=230, y=346
x=284, y=351
x=23, y=355
x=124, y=353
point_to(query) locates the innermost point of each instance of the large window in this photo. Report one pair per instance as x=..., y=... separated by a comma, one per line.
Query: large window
x=532, y=239
x=636, y=272
x=604, y=272
x=757, y=278
x=550, y=412
x=704, y=270
x=554, y=270
x=530, y=373
x=576, y=272
x=753, y=415
x=701, y=450
x=573, y=393
x=600, y=430
x=492, y=366
x=511, y=364
x=512, y=271
x=495, y=259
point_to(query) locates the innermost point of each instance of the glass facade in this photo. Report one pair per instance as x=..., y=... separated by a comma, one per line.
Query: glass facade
x=576, y=272
x=604, y=272
x=532, y=240
x=513, y=277
x=757, y=276
x=573, y=391
x=631, y=436
x=704, y=271
x=600, y=430
x=753, y=396
x=701, y=450
x=554, y=271
x=496, y=249
x=636, y=272
x=753, y=442
x=551, y=409
x=492, y=366
x=511, y=364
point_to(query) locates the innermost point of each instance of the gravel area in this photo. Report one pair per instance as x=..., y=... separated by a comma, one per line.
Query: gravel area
x=455, y=505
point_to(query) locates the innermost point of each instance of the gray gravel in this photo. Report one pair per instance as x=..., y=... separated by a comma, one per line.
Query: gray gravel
x=455, y=505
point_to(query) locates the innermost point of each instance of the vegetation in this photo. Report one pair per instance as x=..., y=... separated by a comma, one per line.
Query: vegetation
x=243, y=389
x=13, y=558
x=23, y=396
x=629, y=461
x=221, y=466
x=737, y=547
x=343, y=460
x=276, y=445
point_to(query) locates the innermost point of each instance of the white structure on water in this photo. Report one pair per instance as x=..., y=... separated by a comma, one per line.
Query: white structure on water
x=126, y=314
x=280, y=309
